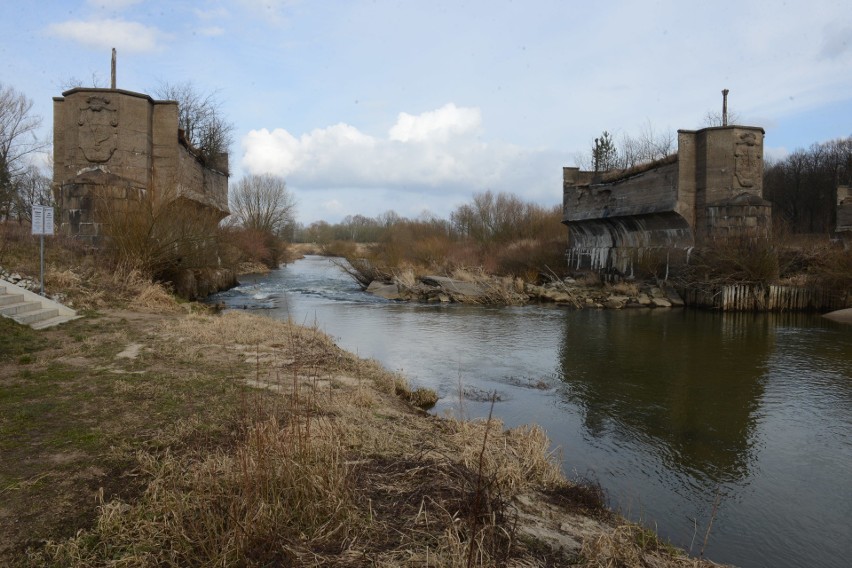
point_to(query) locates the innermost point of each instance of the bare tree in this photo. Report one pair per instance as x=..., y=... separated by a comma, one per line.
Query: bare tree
x=263, y=203
x=715, y=118
x=645, y=148
x=803, y=185
x=72, y=82
x=200, y=118
x=18, y=142
x=33, y=188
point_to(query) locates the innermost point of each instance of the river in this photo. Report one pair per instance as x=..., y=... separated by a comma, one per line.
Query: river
x=684, y=417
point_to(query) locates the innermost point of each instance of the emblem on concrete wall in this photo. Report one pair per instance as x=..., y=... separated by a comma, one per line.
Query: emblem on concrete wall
x=747, y=160
x=98, y=129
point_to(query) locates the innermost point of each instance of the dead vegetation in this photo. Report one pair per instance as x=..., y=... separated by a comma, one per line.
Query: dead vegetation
x=317, y=463
x=152, y=433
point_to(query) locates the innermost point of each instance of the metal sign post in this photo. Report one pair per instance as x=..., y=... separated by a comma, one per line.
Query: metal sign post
x=42, y=225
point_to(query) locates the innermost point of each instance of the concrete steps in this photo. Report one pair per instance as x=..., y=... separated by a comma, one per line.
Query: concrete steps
x=28, y=308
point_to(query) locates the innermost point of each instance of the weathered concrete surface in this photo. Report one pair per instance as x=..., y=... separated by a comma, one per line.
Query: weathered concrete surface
x=844, y=214
x=455, y=288
x=711, y=189
x=843, y=316
x=496, y=290
x=117, y=146
x=197, y=283
x=382, y=290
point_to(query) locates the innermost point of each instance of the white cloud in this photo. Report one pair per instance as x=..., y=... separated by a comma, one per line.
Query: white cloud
x=436, y=149
x=438, y=124
x=434, y=160
x=107, y=33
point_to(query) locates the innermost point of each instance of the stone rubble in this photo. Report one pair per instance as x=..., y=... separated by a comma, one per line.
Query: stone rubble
x=495, y=290
x=29, y=283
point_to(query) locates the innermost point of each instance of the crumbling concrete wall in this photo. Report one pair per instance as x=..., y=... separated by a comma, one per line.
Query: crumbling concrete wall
x=844, y=214
x=711, y=189
x=120, y=146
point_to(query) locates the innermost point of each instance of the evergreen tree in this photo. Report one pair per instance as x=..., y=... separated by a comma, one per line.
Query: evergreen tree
x=604, y=153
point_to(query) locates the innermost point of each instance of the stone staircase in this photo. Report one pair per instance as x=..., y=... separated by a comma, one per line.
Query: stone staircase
x=28, y=308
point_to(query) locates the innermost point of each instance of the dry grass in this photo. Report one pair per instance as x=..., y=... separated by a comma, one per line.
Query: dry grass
x=285, y=490
x=632, y=546
x=419, y=397
x=515, y=459
x=282, y=491
x=301, y=454
x=155, y=298
x=624, y=288
x=321, y=465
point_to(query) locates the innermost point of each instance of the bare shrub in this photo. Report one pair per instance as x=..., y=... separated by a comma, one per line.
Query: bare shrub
x=731, y=261
x=533, y=260
x=343, y=249
x=245, y=246
x=832, y=268
x=158, y=233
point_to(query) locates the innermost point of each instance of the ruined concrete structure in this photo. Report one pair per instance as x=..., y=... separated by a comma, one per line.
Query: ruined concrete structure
x=121, y=146
x=711, y=189
x=844, y=214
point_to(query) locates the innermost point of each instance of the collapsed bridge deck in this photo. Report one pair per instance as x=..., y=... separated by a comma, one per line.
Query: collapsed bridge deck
x=711, y=189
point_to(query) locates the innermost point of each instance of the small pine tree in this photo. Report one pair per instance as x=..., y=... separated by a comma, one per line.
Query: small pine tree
x=604, y=153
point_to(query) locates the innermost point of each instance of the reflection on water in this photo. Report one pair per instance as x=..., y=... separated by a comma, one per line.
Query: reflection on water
x=670, y=410
x=659, y=376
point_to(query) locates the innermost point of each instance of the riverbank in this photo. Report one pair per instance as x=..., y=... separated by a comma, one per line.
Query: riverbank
x=475, y=288
x=156, y=434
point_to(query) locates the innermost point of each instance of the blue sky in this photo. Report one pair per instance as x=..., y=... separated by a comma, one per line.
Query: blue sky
x=366, y=106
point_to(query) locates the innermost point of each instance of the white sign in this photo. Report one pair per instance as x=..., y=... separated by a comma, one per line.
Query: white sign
x=42, y=220
x=48, y=220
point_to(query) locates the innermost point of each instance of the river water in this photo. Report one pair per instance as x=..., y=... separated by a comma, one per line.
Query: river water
x=684, y=417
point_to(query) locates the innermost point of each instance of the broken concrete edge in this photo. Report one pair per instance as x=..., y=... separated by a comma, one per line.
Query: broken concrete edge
x=447, y=290
x=842, y=316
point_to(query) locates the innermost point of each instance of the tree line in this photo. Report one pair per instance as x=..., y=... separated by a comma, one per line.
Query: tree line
x=803, y=186
x=490, y=218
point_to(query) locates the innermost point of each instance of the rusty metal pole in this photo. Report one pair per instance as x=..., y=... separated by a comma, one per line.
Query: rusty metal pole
x=724, y=107
x=112, y=70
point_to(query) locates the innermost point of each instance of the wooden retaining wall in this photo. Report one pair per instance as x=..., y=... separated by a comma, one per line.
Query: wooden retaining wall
x=751, y=298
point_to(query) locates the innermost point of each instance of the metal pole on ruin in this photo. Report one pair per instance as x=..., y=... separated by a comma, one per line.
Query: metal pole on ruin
x=112, y=71
x=724, y=107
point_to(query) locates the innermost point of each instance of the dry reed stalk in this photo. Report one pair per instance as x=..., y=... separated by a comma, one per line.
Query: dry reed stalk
x=154, y=298
x=59, y=280
x=278, y=493
x=516, y=459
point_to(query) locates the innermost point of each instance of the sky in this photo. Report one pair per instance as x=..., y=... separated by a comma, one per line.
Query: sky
x=365, y=106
